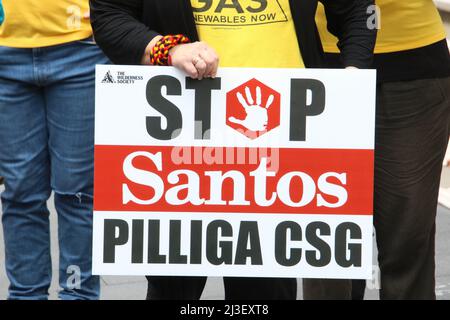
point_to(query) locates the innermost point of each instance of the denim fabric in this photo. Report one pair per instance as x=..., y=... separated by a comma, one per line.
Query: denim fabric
x=46, y=144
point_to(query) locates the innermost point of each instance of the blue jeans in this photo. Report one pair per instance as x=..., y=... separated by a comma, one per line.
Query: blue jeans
x=46, y=144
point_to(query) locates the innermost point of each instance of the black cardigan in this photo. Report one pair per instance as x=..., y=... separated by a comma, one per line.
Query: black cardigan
x=123, y=28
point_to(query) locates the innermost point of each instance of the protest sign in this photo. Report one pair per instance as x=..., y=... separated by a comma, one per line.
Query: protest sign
x=256, y=173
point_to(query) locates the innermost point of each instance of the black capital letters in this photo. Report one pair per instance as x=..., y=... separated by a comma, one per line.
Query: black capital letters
x=281, y=243
x=203, y=104
x=300, y=110
x=165, y=107
x=110, y=241
x=248, y=233
x=213, y=244
x=354, y=248
x=318, y=243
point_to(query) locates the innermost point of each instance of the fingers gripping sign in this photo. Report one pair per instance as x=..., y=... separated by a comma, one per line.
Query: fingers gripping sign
x=256, y=114
x=197, y=60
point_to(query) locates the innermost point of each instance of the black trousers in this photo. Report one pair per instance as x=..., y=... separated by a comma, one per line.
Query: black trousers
x=412, y=132
x=191, y=288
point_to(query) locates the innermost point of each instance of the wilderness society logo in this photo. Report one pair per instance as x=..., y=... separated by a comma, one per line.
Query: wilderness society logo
x=120, y=77
x=236, y=13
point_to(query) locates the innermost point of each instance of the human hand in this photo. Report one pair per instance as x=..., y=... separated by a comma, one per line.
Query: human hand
x=256, y=115
x=197, y=60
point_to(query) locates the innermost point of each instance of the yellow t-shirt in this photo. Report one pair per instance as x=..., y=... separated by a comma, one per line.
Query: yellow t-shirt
x=41, y=23
x=404, y=25
x=249, y=33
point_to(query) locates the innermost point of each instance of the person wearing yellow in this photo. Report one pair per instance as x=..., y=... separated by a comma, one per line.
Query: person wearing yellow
x=198, y=36
x=412, y=130
x=215, y=33
x=47, y=71
x=48, y=23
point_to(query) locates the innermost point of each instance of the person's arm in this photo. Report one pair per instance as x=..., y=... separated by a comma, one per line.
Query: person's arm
x=118, y=31
x=348, y=20
x=126, y=40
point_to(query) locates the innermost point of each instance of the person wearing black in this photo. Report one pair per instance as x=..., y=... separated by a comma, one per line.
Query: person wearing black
x=412, y=131
x=131, y=32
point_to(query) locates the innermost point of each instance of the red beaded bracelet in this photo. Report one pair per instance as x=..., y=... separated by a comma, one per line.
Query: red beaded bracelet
x=159, y=54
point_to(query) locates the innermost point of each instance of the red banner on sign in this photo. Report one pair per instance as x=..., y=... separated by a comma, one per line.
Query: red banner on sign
x=204, y=179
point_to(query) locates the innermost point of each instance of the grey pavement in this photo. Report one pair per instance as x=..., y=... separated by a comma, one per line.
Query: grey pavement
x=134, y=288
